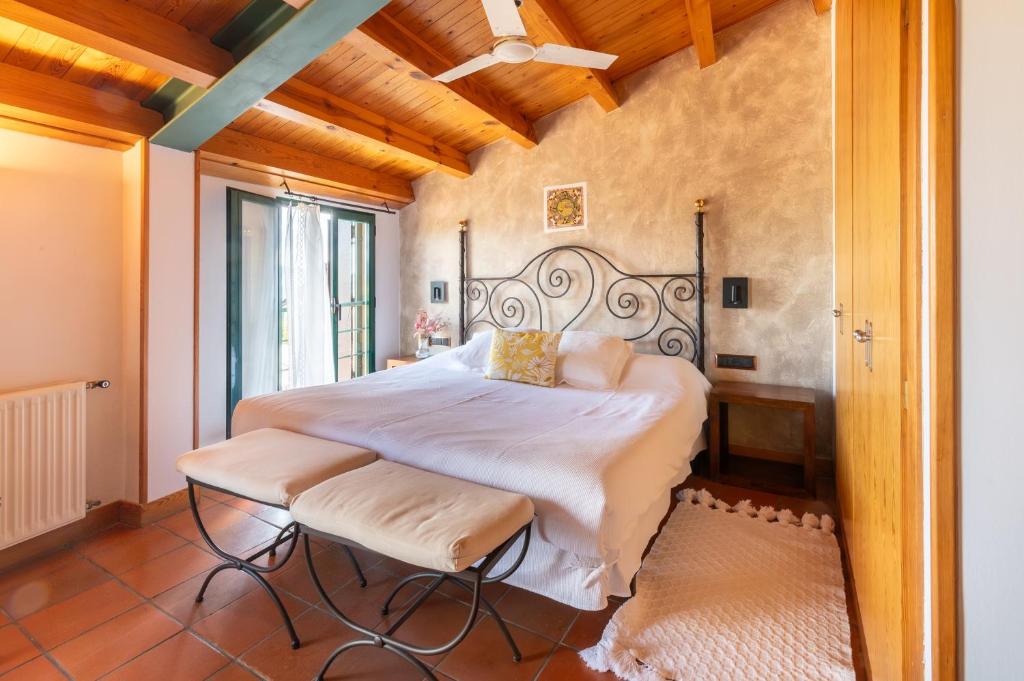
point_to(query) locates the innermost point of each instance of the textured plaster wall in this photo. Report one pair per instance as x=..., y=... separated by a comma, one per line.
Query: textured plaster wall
x=751, y=135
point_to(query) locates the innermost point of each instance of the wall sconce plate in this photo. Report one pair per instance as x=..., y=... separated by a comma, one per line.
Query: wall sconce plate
x=439, y=291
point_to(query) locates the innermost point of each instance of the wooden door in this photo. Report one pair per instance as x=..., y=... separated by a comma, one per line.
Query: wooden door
x=875, y=332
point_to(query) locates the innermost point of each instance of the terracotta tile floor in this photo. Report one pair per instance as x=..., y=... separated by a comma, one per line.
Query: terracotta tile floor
x=121, y=605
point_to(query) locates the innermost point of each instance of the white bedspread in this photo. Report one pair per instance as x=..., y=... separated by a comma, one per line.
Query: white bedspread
x=593, y=462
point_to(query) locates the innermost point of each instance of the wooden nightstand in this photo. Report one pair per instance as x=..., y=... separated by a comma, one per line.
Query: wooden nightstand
x=771, y=396
x=401, y=361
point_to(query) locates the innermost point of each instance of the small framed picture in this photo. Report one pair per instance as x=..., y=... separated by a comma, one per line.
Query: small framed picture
x=565, y=207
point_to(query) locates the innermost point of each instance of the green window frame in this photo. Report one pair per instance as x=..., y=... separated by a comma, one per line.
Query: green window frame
x=368, y=300
x=362, y=352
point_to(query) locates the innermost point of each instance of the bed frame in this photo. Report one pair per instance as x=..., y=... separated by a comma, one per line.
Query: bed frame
x=676, y=309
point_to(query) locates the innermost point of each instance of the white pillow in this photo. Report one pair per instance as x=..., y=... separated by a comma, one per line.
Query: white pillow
x=594, y=361
x=476, y=353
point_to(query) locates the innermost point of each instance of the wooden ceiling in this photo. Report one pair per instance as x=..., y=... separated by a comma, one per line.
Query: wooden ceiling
x=364, y=116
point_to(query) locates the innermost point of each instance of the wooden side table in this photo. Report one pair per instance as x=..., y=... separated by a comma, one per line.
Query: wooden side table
x=772, y=396
x=400, y=361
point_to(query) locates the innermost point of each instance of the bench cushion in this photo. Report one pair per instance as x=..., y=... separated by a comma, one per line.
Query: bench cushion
x=271, y=465
x=417, y=517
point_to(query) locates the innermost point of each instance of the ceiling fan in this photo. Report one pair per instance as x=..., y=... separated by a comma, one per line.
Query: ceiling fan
x=511, y=46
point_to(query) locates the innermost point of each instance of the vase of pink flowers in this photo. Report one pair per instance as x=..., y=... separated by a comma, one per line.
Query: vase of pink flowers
x=425, y=327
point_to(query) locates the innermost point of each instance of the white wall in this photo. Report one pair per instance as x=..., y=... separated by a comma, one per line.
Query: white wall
x=991, y=326
x=213, y=300
x=132, y=173
x=170, y=317
x=61, y=285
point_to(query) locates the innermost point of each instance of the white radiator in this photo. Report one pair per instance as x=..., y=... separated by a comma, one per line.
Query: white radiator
x=42, y=460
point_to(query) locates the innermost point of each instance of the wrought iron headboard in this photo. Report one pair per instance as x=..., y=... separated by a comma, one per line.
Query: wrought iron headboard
x=493, y=300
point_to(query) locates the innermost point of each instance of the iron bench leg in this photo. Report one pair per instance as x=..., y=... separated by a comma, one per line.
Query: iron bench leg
x=472, y=579
x=289, y=534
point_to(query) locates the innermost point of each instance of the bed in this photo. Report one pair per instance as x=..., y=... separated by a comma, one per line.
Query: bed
x=598, y=464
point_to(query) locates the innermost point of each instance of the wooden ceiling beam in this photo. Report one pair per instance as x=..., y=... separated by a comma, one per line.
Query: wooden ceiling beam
x=148, y=39
x=282, y=54
x=62, y=133
x=265, y=155
x=309, y=105
x=60, y=101
x=230, y=169
x=822, y=6
x=703, y=33
x=125, y=30
x=551, y=15
x=386, y=40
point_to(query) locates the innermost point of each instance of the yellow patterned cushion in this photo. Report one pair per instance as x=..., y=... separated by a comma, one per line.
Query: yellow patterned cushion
x=524, y=356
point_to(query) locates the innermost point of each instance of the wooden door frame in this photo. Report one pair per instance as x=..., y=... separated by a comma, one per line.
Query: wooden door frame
x=943, y=252
x=937, y=181
x=912, y=517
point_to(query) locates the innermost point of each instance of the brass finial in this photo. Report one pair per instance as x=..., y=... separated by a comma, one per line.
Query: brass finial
x=699, y=205
x=463, y=224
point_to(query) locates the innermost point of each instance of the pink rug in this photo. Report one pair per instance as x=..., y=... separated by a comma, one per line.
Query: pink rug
x=733, y=592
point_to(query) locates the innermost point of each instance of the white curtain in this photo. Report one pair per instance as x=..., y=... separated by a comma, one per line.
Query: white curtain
x=307, y=296
x=259, y=302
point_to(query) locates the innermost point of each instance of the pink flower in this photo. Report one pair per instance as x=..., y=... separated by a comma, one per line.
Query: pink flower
x=424, y=325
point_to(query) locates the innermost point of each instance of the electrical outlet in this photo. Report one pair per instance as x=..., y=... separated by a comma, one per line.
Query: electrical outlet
x=726, y=361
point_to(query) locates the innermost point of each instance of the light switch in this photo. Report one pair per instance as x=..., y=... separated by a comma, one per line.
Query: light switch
x=735, y=292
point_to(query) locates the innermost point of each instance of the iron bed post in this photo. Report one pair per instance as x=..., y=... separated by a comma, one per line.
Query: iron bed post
x=462, y=280
x=698, y=219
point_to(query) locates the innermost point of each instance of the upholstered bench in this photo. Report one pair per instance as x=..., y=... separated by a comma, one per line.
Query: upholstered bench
x=455, y=530
x=269, y=466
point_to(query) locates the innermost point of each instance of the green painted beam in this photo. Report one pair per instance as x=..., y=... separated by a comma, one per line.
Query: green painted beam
x=250, y=27
x=285, y=52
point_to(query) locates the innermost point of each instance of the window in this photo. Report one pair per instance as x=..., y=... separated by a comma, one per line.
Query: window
x=273, y=255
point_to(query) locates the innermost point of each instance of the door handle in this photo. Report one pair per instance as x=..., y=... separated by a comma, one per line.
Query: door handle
x=865, y=336
x=838, y=314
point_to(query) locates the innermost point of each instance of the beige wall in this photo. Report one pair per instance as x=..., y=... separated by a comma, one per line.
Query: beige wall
x=751, y=134
x=61, y=285
x=133, y=164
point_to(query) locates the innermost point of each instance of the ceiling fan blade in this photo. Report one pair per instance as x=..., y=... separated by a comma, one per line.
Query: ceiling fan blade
x=471, y=66
x=574, y=56
x=503, y=16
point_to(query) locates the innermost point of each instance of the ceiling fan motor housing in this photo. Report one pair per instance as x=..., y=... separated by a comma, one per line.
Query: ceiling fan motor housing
x=514, y=50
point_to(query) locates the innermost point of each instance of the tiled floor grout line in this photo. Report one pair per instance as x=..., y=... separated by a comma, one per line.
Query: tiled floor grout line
x=76, y=548
x=558, y=645
x=145, y=601
x=232, y=659
x=39, y=647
